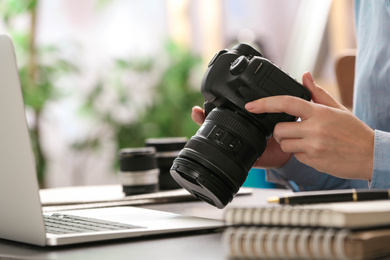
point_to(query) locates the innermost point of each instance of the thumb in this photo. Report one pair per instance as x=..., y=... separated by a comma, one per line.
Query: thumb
x=318, y=94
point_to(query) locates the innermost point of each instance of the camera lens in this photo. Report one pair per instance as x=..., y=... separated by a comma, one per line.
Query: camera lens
x=138, y=170
x=167, y=149
x=215, y=162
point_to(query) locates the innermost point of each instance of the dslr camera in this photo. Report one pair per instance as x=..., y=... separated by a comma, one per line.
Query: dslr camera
x=215, y=162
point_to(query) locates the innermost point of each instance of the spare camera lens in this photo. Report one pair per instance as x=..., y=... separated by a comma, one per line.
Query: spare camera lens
x=167, y=149
x=138, y=170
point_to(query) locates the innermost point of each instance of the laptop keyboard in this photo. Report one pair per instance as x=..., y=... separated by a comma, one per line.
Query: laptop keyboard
x=66, y=224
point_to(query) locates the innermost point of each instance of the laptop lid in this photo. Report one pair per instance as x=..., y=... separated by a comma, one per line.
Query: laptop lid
x=21, y=214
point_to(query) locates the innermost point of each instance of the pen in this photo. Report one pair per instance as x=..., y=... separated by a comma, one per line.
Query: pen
x=311, y=197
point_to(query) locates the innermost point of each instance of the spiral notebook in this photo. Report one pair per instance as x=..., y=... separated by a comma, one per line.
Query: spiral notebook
x=344, y=230
x=362, y=214
x=304, y=243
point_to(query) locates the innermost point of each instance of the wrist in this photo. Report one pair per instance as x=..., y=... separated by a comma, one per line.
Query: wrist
x=381, y=163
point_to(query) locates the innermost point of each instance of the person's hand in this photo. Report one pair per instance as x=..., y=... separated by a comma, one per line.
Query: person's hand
x=328, y=138
x=198, y=115
x=273, y=156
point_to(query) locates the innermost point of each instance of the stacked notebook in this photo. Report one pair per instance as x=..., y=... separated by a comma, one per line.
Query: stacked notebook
x=344, y=230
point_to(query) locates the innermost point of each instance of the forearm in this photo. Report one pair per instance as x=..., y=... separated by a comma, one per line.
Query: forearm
x=310, y=179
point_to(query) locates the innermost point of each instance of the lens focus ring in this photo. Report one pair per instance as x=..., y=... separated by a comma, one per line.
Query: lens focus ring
x=211, y=154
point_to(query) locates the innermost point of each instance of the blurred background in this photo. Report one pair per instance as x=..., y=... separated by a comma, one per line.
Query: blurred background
x=100, y=75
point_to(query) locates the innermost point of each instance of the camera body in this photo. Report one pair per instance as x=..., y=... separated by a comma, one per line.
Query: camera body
x=240, y=75
x=215, y=162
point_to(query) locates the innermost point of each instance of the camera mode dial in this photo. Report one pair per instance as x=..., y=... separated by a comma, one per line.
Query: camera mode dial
x=238, y=65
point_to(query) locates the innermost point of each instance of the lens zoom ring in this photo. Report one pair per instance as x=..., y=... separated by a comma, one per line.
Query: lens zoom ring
x=242, y=129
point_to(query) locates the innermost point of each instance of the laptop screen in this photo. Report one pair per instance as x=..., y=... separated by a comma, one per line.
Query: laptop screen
x=21, y=214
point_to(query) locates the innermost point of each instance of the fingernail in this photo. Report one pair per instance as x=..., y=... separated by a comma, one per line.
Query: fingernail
x=249, y=106
x=310, y=77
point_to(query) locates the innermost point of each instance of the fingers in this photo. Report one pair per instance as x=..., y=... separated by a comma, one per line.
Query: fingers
x=293, y=105
x=293, y=146
x=277, y=104
x=318, y=94
x=287, y=130
x=198, y=115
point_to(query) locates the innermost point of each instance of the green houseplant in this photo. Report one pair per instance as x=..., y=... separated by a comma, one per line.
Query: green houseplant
x=39, y=69
x=167, y=112
x=174, y=90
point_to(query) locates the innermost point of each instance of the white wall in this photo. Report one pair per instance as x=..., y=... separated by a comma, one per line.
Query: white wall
x=92, y=35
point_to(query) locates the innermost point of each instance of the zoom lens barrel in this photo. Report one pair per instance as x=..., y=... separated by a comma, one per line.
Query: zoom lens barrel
x=215, y=162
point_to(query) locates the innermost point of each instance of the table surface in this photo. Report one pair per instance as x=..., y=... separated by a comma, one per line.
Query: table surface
x=195, y=245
